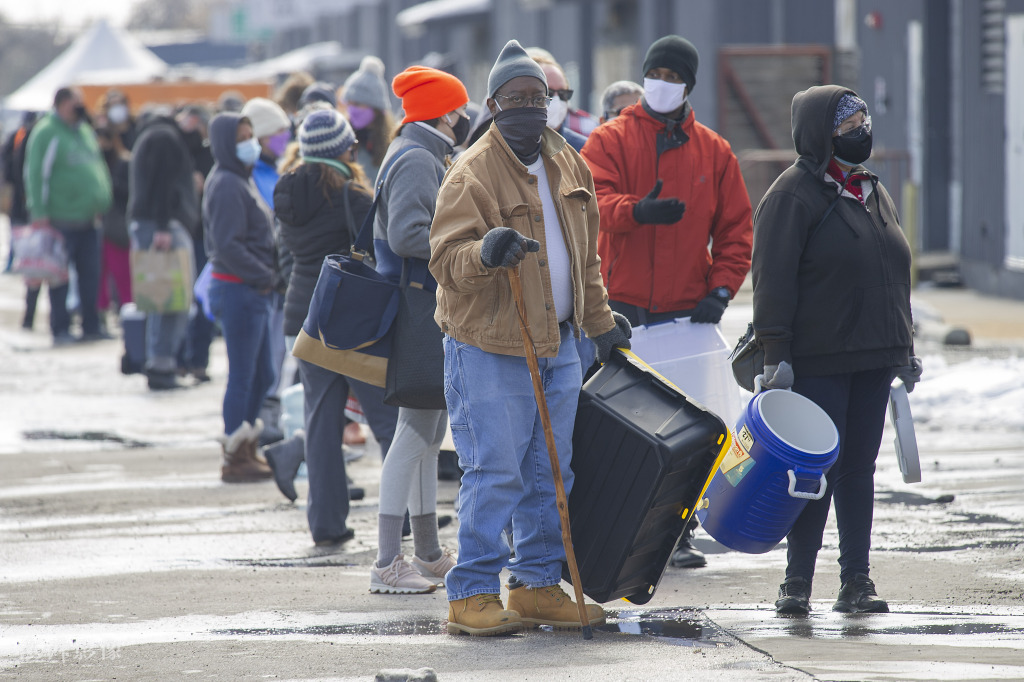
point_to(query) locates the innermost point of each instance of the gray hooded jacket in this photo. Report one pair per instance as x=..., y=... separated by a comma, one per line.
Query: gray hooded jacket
x=833, y=297
x=239, y=230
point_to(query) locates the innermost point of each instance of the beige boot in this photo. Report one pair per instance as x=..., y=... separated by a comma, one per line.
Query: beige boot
x=252, y=443
x=551, y=606
x=239, y=465
x=481, y=615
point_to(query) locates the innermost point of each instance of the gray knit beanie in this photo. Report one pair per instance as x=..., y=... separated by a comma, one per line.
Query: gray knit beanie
x=512, y=63
x=848, y=106
x=325, y=134
x=367, y=86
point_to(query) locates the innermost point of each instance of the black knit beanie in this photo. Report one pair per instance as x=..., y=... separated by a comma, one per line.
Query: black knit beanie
x=676, y=53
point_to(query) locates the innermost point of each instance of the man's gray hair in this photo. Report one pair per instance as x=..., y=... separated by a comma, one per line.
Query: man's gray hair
x=617, y=89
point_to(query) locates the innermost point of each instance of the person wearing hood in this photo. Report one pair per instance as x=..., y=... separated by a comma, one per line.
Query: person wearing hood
x=675, y=215
x=163, y=214
x=560, y=93
x=368, y=109
x=831, y=275
x=240, y=247
x=435, y=123
x=520, y=197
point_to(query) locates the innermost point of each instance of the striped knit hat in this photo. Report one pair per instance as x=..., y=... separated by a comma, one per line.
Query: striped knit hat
x=325, y=134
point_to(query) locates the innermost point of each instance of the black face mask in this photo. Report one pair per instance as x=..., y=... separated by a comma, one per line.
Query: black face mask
x=460, y=130
x=522, y=128
x=852, y=149
x=80, y=112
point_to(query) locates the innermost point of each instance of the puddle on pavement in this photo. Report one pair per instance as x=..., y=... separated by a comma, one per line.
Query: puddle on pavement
x=681, y=628
x=92, y=436
x=920, y=628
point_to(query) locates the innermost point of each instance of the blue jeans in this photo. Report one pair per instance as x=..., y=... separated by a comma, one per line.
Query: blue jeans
x=83, y=246
x=244, y=316
x=165, y=332
x=498, y=434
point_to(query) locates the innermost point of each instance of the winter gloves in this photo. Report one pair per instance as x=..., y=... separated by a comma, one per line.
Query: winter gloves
x=910, y=374
x=710, y=308
x=775, y=376
x=613, y=338
x=655, y=211
x=503, y=247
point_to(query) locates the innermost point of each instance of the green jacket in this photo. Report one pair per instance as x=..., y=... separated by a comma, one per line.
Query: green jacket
x=66, y=179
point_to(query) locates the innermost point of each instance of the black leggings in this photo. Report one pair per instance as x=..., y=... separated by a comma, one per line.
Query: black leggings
x=856, y=403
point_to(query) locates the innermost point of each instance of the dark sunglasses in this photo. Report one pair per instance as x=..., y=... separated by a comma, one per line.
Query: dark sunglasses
x=564, y=95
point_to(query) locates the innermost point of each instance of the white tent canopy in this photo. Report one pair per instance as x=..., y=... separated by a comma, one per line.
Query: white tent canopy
x=99, y=55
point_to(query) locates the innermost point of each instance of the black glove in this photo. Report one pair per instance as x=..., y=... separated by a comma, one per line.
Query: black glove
x=613, y=338
x=711, y=307
x=503, y=247
x=657, y=211
x=910, y=374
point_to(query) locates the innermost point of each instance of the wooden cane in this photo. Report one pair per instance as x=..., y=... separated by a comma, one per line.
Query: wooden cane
x=549, y=437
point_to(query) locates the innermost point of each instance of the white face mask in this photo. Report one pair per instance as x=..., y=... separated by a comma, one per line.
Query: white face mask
x=557, y=111
x=118, y=114
x=664, y=97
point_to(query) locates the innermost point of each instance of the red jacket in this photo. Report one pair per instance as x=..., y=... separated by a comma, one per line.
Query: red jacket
x=668, y=267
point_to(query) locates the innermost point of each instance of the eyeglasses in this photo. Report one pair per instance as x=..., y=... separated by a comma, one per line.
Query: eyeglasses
x=564, y=95
x=856, y=130
x=516, y=101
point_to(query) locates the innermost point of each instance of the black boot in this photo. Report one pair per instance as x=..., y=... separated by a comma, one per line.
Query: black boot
x=858, y=596
x=685, y=555
x=284, y=458
x=794, y=597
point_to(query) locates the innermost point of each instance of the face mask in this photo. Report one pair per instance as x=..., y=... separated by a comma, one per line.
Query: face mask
x=117, y=114
x=853, y=149
x=664, y=97
x=360, y=117
x=278, y=143
x=460, y=130
x=248, y=151
x=557, y=111
x=522, y=128
x=80, y=112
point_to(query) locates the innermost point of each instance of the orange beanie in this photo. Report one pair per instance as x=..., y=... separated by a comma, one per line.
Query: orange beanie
x=428, y=93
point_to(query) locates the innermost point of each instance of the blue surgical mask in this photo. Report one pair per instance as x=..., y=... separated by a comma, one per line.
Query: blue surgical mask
x=248, y=151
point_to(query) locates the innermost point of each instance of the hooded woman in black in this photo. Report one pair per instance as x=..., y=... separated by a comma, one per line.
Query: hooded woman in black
x=831, y=275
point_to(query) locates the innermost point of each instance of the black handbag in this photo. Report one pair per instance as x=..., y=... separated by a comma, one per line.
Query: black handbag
x=747, y=359
x=415, y=376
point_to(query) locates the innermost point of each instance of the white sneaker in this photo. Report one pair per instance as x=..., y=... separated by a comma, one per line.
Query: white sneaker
x=398, y=577
x=435, y=570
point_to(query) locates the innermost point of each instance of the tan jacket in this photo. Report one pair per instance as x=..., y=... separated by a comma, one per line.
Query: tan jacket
x=489, y=187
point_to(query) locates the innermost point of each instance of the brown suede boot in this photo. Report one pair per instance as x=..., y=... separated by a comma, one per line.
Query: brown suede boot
x=240, y=463
x=550, y=606
x=481, y=615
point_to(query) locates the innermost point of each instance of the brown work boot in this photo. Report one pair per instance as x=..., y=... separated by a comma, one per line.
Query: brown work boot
x=550, y=606
x=481, y=615
x=240, y=464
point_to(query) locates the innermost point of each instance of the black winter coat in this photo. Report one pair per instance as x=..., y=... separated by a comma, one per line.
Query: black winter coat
x=312, y=227
x=830, y=298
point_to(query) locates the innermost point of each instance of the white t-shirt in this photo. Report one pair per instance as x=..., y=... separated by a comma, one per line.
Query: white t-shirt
x=558, y=255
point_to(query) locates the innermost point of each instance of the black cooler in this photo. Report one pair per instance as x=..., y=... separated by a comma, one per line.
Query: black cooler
x=643, y=454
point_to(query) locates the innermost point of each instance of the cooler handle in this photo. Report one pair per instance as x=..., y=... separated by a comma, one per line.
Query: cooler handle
x=805, y=496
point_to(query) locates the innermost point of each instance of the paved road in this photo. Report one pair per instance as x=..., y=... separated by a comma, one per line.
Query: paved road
x=123, y=556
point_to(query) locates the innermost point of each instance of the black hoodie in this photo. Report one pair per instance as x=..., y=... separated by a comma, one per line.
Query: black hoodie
x=835, y=297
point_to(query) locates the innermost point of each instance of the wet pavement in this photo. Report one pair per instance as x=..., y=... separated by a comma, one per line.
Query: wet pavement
x=122, y=555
